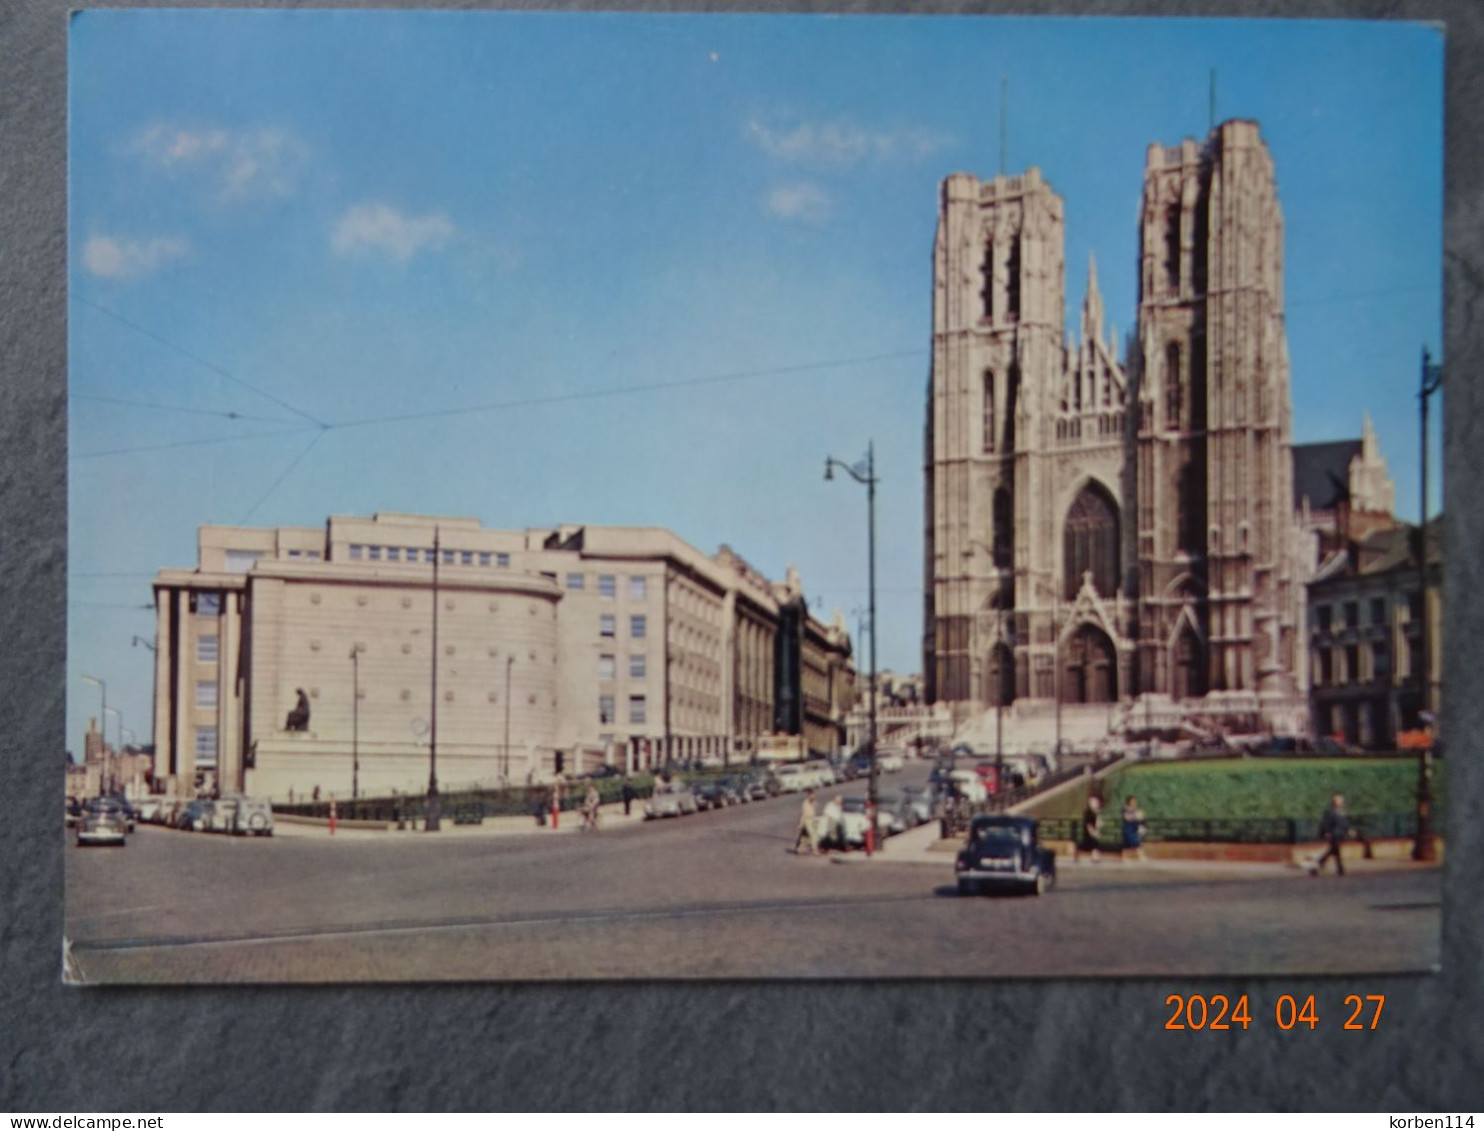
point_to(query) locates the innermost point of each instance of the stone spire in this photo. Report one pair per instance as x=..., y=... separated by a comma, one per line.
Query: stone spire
x=1092, y=304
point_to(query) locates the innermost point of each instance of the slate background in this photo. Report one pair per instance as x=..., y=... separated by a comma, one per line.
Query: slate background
x=900, y=1045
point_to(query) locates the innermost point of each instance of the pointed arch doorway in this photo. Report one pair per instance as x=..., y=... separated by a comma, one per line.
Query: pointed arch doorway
x=1090, y=667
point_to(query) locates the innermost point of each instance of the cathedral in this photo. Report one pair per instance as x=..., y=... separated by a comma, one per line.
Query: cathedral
x=1111, y=522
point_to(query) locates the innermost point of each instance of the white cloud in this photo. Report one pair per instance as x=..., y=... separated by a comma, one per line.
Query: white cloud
x=258, y=164
x=804, y=201
x=107, y=257
x=380, y=227
x=842, y=144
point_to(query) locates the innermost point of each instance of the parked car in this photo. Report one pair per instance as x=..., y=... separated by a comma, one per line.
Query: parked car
x=891, y=817
x=761, y=784
x=603, y=771
x=197, y=816
x=1004, y=852
x=74, y=811
x=850, y=830
x=251, y=816
x=670, y=801
x=148, y=809
x=916, y=806
x=709, y=794
x=860, y=763
x=102, y=821
x=969, y=785
x=794, y=778
x=889, y=761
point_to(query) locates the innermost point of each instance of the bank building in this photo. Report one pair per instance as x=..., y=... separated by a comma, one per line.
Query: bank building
x=1110, y=528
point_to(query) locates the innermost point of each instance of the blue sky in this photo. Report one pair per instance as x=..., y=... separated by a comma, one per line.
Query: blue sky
x=313, y=219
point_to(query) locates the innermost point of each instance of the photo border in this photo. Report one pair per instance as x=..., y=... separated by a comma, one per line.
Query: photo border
x=725, y=1045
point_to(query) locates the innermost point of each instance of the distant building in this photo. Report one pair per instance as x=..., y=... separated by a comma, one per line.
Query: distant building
x=619, y=644
x=1342, y=490
x=1365, y=637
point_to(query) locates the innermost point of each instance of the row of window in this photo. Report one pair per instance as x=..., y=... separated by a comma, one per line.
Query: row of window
x=638, y=589
x=607, y=709
x=638, y=626
x=1329, y=673
x=1349, y=613
x=608, y=666
x=366, y=553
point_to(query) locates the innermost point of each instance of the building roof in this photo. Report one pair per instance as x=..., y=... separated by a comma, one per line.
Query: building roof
x=1382, y=551
x=1321, y=473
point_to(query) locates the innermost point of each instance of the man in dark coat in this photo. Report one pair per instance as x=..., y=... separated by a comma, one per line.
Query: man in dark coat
x=1334, y=827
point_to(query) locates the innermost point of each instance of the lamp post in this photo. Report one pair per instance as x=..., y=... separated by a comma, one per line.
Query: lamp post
x=355, y=722
x=117, y=750
x=431, y=819
x=1423, y=847
x=102, y=717
x=998, y=675
x=865, y=472
x=505, y=767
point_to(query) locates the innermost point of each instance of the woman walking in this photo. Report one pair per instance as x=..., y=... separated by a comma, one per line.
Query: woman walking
x=1133, y=829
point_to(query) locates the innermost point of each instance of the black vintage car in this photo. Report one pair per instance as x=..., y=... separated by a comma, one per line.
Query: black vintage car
x=1004, y=852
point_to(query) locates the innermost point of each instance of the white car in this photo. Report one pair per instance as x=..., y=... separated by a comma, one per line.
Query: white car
x=670, y=801
x=970, y=786
x=889, y=762
x=794, y=778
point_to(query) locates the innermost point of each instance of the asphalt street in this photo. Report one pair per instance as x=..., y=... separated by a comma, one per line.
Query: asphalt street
x=714, y=895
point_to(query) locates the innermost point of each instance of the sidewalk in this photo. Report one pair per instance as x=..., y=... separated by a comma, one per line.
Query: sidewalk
x=923, y=847
x=609, y=817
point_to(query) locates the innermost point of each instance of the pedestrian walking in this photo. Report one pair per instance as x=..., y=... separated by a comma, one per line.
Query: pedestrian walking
x=808, y=838
x=1133, y=829
x=628, y=795
x=590, y=808
x=1092, y=821
x=538, y=806
x=1334, y=827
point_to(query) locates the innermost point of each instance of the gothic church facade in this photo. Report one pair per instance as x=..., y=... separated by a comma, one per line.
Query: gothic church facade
x=1100, y=522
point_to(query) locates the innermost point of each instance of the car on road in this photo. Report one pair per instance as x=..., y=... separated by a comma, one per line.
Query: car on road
x=710, y=794
x=252, y=816
x=889, y=761
x=102, y=821
x=969, y=785
x=850, y=830
x=1004, y=852
x=670, y=801
x=737, y=790
x=916, y=806
x=794, y=778
x=761, y=784
x=197, y=816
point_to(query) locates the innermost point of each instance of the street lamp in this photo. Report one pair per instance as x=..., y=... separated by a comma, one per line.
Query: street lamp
x=865, y=472
x=505, y=770
x=113, y=777
x=1424, y=848
x=102, y=717
x=431, y=818
x=138, y=640
x=355, y=722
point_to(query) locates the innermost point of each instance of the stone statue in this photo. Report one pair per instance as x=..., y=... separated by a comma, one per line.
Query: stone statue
x=299, y=717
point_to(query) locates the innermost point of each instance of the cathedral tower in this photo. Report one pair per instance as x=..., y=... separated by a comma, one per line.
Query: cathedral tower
x=1215, y=543
x=998, y=307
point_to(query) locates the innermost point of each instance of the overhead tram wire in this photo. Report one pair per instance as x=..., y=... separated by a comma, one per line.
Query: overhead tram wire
x=527, y=402
x=286, y=472
x=627, y=390
x=201, y=361
x=228, y=414
x=296, y=431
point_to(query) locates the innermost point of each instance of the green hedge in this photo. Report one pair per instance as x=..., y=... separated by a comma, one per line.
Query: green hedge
x=1297, y=788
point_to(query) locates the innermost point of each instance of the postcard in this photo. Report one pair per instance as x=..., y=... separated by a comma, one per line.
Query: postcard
x=574, y=496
